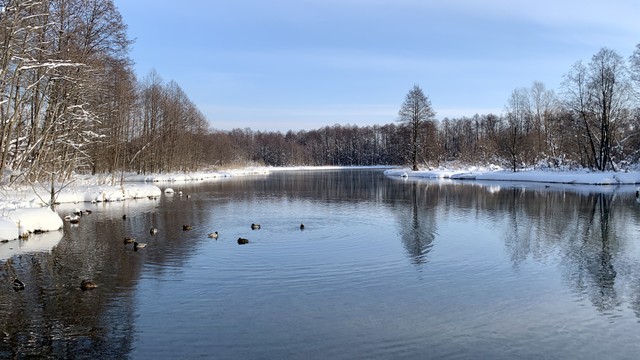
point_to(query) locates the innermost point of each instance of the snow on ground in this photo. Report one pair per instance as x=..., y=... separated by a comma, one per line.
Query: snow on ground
x=196, y=176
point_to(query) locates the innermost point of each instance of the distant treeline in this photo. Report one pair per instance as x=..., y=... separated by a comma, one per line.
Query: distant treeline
x=70, y=103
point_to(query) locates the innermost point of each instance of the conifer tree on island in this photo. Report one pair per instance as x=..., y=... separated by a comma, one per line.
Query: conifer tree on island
x=414, y=113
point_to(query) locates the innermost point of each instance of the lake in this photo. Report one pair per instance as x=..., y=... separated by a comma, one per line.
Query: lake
x=385, y=268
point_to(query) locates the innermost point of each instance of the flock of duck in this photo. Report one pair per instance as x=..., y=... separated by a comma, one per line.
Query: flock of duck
x=212, y=235
x=88, y=284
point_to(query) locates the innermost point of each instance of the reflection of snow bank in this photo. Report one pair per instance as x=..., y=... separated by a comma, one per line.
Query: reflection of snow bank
x=35, y=243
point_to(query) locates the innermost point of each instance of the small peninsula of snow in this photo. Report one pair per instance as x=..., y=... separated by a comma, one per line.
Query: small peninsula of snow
x=582, y=177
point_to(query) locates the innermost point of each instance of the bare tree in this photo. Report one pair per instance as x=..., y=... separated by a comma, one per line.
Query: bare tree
x=414, y=112
x=599, y=95
x=518, y=118
x=634, y=65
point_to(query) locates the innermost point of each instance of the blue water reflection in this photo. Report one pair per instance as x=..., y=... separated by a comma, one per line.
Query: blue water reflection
x=384, y=268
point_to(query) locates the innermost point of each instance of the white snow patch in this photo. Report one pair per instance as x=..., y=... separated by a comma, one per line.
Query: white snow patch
x=36, y=219
x=8, y=229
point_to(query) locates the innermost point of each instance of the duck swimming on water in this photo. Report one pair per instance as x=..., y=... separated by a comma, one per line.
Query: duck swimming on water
x=87, y=284
x=213, y=235
x=18, y=285
x=255, y=226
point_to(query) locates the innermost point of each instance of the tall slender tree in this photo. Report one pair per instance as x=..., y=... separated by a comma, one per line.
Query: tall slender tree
x=414, y=113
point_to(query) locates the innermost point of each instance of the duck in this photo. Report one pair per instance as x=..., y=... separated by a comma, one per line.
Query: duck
x=129, y=240
x=242, y=241
x=18, y=285
x=74, y=219
x=255, y=226
x=301, y=226
x=186, y=227
x=88, y=212
x=153, y=231
x=87, y=284
x=124, y=217
x=137, y=245
x=213, y=235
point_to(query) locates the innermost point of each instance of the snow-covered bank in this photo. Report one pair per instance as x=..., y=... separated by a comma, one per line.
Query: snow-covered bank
x=21, y=222
x=266, y=170
x=553, y=177
x=196, y=176
x=25, y=210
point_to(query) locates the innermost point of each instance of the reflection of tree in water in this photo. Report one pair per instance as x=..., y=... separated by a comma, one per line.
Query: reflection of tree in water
x=518, y=236
x=52, y=317
x=418, y=228
x=590, y=254
x=586, y=231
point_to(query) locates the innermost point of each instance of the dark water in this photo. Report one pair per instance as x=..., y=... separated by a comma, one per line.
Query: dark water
x=385, y=268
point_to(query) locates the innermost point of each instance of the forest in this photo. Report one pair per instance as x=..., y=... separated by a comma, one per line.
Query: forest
x=70, y=103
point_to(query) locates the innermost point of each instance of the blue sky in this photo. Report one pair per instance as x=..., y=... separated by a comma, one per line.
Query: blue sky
x=283, y=65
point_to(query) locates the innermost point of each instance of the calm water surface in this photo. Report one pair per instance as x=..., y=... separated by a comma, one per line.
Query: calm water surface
x=385, y=268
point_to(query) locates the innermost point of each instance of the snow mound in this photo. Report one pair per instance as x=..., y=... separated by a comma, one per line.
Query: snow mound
x=8, y=229
x=36, y=219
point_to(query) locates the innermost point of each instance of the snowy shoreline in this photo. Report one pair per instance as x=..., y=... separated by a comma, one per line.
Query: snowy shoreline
x=582, y=177
x=24, y=210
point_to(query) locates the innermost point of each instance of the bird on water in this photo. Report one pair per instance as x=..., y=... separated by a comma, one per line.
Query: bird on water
x=87, y=284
